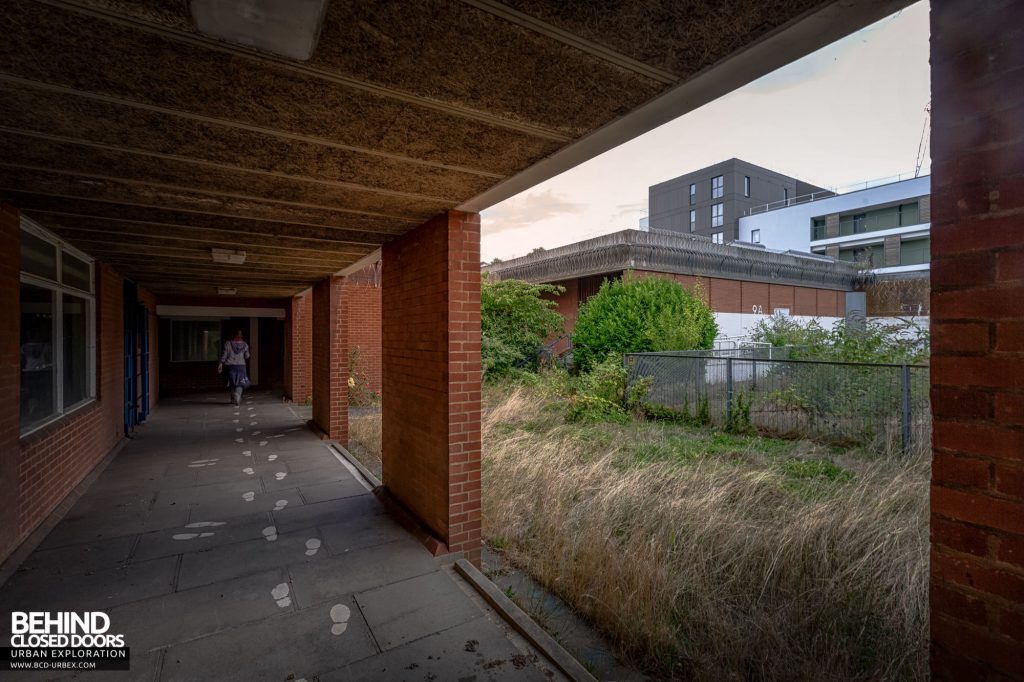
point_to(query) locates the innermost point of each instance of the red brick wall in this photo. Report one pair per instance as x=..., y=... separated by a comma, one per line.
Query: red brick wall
x=362, y=294
x=298, y=349
x=732, y=296
x=431, y=353
x=330, y=359
x=10, y=375
x=977, y=277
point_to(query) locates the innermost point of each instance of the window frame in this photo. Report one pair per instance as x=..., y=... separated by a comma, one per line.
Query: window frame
x=693, y=220
x=746, y=186
x=721, y=214
x=717, y=192
x=693, y=193
x=59, y=289
x=755, y=236
x=718, y=237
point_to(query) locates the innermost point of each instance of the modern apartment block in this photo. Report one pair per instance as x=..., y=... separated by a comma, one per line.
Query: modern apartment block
x=886, y=228
x=710, y=201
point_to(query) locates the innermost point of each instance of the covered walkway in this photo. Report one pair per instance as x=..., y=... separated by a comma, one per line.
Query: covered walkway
x=233, y=544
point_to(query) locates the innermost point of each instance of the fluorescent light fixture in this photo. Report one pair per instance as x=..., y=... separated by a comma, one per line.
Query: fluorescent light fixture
x=289, y=28
x=227, y=256
x=227, y=291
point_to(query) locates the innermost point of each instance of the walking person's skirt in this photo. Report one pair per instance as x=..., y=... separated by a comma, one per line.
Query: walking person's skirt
x=237, y=376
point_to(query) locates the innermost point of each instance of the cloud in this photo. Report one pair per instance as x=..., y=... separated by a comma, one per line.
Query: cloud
x=528, y=209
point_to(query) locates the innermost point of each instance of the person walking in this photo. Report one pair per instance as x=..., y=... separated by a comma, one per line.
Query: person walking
x=236, y=352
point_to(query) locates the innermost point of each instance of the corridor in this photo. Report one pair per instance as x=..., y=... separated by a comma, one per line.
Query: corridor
x=231, y=543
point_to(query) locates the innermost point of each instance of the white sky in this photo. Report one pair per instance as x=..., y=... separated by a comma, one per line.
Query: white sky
x=850, y=112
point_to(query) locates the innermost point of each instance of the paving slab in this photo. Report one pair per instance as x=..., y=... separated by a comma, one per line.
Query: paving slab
x=191, y=614
x=361, y=532
x=252, y=556
x=290, y=646
x=402, y=612
x=332, y=511
x=83, y=558
x=236, y=529
x=476, y=650
x=332, y=490
x=360, y=570
x=112, y=522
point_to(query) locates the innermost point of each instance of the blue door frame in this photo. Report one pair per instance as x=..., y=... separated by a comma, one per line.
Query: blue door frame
x=136, y=359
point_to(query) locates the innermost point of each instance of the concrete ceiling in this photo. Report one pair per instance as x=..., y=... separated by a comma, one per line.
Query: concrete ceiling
x=146, y=143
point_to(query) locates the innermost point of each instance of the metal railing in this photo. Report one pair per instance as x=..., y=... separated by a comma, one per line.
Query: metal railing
x=825, y=194
x=876, y=405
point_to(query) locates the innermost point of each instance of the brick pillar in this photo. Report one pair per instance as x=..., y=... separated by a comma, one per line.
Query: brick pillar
x=330, y=359
x=10, y=374
x=431, y=377
x=298, y=348
x=977, y=214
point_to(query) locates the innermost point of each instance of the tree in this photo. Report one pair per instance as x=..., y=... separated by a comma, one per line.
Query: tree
x=515, y=320
x=636, y=315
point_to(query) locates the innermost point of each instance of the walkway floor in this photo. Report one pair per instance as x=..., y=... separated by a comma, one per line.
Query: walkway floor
x=232, y=544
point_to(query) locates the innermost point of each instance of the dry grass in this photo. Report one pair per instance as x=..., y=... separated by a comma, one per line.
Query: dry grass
x=710, y=557
x=364, y=439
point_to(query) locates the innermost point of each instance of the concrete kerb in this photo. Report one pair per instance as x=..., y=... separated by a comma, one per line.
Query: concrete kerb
x=523, y=624
x=29, y=544
x=343, y=451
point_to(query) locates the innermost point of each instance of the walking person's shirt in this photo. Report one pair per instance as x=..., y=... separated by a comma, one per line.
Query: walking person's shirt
x=235, y=353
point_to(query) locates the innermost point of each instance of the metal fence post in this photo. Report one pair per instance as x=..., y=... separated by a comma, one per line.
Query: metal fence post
x=728, y=391
x=905, y=395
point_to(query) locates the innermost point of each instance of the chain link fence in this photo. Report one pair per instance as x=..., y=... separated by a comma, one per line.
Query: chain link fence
x=877, y=405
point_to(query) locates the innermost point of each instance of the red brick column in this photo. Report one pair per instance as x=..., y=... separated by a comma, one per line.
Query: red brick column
x=10, y=374
x=330, y=359
x=977, y=526
x=431, y=376
x=362, y=297
x=298, y=348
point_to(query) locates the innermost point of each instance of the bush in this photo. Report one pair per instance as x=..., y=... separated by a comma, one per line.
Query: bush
x=874, y=341
x=635, y=315
x=603, y=393
x=514, y=322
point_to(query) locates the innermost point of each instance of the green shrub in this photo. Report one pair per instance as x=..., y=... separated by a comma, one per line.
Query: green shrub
x=603, y=393
x=635, y=315
x=514, y=322
x=874, y=341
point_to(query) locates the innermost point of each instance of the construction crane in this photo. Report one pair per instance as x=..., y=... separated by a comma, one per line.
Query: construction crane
x=922, y=146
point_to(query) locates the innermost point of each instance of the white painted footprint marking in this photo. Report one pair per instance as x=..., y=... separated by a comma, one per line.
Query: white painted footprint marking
x=312, y=546
x=340, y=615
x=236, y=414
x=248, y=470
x=249, y=496
x=253, y=423
x=256, y=433
x=206, y=524
x=198, y=463
x=234, y=421
x=262, y=443
x=281, y=595
x=271, y=458
x=279, y=435
x=270, y=533
x=280, y=504
x=239, y=429
x=247, y=453
x=280, y=475
x=239, y=440
x=191, y=536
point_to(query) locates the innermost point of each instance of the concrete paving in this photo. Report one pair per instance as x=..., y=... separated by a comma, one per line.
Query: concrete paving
x=231, y=544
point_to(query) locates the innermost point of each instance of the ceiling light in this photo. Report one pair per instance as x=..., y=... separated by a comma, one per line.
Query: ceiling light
x=289, y=28
x=227, y=291
x=227, y=256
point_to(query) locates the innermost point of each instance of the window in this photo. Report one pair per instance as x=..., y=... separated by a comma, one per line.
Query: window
x=867, y=255
x=716, y=215
x=57, y=328
x=195, y=340
x=693, y=194
x=693, y=220
x=915, y=251
x=746, y=185
x=818, y=228
x=717, y=186
x=785, y=195
x=755, y=236
x=718, y=237
x=885, y=218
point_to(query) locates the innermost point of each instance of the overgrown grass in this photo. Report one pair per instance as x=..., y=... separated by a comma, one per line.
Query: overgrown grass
x=707, y=555
x=715, y=556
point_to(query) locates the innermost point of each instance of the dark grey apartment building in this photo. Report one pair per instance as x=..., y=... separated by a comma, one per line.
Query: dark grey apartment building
x=711, y=200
